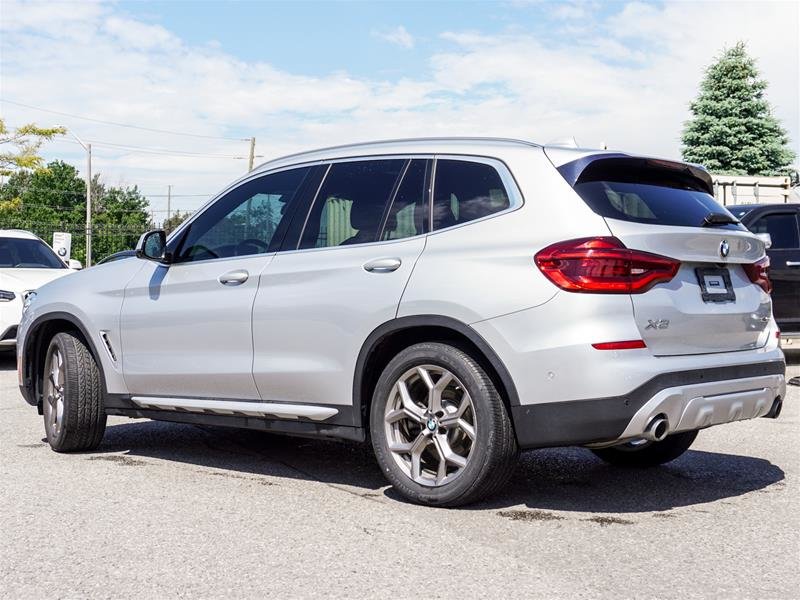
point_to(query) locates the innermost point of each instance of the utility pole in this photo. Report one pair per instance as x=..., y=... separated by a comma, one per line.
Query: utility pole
x=252, y=154
x=169, y=200
x=88, y=148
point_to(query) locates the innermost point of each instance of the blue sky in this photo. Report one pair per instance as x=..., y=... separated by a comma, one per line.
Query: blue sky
x=300, y=75
x=314, y=38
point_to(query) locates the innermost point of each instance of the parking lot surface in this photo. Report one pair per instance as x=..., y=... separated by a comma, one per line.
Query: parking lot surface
x=168, y=510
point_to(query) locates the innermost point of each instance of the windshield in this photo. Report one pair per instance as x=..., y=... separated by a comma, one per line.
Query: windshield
x=20, y=253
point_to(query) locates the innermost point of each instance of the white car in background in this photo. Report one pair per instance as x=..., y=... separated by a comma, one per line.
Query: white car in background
x=26, y=262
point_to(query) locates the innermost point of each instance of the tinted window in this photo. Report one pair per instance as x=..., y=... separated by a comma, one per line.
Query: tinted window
x=646, y=191
x=739, y=211
x=644, y=203
x=782, y=228
x=244, y=221
x=27, y=254
x=407, y=215
x=465, y=191
x=350, y=205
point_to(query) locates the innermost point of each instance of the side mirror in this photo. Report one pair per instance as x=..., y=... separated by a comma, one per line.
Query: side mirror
x=153, y=246
x=74, y=264
x=766, y=238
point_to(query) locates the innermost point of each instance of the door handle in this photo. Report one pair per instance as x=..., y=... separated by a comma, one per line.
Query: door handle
x=793, y=263
x=237, y=277
x=383, y=265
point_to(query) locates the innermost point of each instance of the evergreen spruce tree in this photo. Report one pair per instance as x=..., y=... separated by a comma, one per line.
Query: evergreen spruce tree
x=732, y=129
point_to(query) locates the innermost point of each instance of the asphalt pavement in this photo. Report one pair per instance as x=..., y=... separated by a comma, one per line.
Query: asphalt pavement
x=166, y=510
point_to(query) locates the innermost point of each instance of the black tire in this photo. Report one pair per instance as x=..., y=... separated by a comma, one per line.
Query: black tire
x=493, y=451
x=83, y=415
x=651, y=454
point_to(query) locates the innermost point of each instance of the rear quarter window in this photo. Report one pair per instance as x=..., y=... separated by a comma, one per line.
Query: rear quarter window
x=465, y=191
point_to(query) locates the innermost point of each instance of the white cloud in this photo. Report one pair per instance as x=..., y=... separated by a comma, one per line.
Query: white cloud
x=398, y=35
x=625, y=79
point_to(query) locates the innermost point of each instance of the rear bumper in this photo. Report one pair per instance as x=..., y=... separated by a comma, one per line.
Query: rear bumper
x=689, y=399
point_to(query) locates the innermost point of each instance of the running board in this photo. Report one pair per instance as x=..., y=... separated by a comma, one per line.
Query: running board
x=235, y=407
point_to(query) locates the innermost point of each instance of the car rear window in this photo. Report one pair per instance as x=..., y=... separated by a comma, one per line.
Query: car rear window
x=641, y=192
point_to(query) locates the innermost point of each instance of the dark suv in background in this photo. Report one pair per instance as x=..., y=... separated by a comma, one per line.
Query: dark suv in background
x=782, y=223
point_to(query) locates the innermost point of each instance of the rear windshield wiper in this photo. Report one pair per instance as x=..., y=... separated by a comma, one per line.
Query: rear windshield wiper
x=714, y=219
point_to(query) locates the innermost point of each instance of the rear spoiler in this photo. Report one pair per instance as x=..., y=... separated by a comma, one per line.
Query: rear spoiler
x=623, y=167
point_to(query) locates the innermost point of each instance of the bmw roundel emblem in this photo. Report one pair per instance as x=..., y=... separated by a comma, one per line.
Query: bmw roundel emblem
x=724, y=248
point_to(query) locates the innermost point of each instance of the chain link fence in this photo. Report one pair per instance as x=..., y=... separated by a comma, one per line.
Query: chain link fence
x=106, y=238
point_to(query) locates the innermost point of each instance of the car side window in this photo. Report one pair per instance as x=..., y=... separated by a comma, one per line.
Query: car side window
x=407, y=215
x=465, y=191
x=244, y=221
x=350, y=205
x=781, y=227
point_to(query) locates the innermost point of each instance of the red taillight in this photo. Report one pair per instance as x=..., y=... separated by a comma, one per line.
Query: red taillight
x=626, y=345
x=603, y=265
x=758, y=272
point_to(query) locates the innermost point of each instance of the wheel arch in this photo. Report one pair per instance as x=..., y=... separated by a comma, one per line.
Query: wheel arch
x=393, y=336
x=40, y=332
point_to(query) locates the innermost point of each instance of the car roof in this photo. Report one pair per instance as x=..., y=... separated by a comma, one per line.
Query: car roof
x=18, y=233
x=442, y=145
x=750, y=207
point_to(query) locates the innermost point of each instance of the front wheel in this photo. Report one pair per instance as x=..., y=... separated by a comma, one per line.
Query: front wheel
x=439, y=428
x=644, y=453
x=74, y=413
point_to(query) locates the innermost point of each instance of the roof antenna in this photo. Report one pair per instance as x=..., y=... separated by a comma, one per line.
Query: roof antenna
x=565, y=142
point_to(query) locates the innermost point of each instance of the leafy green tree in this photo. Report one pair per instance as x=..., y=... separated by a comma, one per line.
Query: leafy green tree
x=54, y=199
x=120, y=217
x=175, y=219
x=732, y=129
x=19, y=149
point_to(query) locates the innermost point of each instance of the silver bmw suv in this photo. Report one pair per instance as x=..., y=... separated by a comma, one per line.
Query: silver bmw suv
x=450, y=300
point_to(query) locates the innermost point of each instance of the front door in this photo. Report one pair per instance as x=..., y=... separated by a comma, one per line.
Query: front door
x=187, y=325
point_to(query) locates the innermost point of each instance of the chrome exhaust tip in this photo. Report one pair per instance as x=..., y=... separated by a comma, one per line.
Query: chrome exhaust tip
x=657, y=429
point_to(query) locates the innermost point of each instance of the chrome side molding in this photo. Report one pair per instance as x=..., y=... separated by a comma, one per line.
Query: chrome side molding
x=237, y=407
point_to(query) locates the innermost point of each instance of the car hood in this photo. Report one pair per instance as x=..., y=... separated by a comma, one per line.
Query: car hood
x=22, y=280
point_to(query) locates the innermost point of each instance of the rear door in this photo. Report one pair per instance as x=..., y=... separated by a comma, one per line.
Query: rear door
x=784, y=254
x=339, y=276
x=711, y=305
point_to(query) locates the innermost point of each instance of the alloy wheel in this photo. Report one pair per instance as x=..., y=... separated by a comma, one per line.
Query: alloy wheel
x=54, y=393
x=430, y=425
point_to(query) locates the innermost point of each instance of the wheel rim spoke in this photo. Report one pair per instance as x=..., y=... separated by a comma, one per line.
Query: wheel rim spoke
x=466, y=428
x=446, y=452
x=430, y=426
x=417, y=448
x=413, y=410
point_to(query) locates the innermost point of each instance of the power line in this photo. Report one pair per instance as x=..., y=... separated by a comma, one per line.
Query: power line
x=81, y=193
x=131, y=149
x=113, y=210
x=167, y=131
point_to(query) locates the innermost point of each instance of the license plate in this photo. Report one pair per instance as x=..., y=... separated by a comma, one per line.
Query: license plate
x=715, y=285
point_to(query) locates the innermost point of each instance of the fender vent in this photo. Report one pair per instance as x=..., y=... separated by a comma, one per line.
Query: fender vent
x=107, y=342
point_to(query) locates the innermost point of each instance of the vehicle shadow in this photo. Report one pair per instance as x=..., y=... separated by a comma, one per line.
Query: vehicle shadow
x=573, y=479
x=562, y=479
